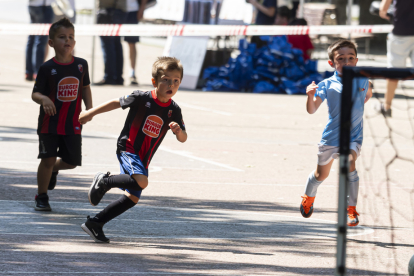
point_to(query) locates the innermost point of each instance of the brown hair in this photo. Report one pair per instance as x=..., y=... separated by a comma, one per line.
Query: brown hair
x=64, y=22
x=163, y=64
x=340, y=44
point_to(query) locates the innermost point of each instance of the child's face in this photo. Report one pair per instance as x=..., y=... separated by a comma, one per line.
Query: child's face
x=167, y=85
x=343, y=57
x=64, y=41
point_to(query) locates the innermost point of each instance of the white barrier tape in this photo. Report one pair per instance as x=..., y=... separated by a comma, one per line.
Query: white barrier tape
x=195, y=30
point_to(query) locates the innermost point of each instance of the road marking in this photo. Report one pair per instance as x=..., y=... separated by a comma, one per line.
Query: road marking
x=189, y=155
x=205, y=109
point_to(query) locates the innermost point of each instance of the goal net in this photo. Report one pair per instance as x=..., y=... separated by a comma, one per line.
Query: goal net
x=384, y=243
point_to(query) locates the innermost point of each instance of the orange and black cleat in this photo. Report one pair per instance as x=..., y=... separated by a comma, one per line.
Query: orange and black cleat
x=352, y=216
x=306, y=207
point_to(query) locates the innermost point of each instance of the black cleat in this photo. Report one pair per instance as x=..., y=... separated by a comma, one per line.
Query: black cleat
x=42, y=203
x=52, y=182
x=98, y=188
x=94, y=229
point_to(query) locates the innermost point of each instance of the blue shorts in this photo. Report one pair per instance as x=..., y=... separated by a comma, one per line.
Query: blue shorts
x=131, y=19
x=130, y=163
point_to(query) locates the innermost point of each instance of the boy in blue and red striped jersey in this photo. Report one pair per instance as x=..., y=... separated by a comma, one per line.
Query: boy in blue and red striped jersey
x=150, y=116
x=61, y=84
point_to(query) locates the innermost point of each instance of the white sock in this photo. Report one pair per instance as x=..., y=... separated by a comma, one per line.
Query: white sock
x=132, y=72
x=312, y=185
x=353, y=188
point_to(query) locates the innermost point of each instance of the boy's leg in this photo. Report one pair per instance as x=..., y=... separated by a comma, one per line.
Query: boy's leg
x=93, y=226
x=43, y=174
x=70, y=151
x=353, y=190
x=315, y=178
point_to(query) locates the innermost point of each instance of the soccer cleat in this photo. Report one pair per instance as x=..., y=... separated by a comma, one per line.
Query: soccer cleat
x=94, y=229
x=42, y=203
x=98, y=188
x=52, y=182
x=306, y=207
x=352, y=216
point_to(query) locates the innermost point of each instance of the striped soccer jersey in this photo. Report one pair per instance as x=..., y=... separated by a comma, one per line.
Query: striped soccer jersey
x=63, y=84
x=146, y=124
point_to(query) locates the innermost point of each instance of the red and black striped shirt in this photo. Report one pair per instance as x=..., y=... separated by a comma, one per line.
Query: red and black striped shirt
x=146, y=124
x=63, y=84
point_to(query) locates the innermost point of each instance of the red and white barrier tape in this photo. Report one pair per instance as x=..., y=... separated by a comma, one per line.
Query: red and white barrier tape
x=195, y=30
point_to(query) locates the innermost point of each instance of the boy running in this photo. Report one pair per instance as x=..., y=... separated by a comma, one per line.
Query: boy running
x=341, y=53
x=151, y=115
x=61, y=84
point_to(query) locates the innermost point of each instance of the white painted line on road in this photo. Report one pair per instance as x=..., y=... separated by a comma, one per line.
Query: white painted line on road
x=189, y=155
x=205, y=109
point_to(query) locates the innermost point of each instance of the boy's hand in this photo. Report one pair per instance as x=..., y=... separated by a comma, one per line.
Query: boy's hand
x=311, y=89
x=48, y=106
x=85, y=117
x=175, y=128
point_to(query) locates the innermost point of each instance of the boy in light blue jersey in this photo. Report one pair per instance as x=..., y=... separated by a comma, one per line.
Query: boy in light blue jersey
x=341, y=53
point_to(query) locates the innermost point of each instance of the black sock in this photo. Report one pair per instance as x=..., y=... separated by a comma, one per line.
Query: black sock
x=124, y=181
x=114, y=209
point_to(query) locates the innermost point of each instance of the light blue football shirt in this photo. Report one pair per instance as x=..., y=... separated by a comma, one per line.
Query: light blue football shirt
x=331, y=90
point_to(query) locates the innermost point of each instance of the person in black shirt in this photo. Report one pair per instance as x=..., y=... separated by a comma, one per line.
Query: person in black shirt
x=61, y=85
x=266, y=14
x=151, y=114
x=400, y=43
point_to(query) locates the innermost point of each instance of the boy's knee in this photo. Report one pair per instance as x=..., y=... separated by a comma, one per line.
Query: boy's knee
x=133, y=198
x=141, y=179
x=48, y=162
x=321, y=176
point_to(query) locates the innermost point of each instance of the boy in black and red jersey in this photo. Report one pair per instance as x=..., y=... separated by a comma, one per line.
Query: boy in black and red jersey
x=61, y=84
x=151, y=115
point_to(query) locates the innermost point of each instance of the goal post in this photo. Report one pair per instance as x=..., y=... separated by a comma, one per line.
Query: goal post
x=348, y=76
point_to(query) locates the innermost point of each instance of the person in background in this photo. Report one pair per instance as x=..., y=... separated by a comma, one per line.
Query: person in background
x=266, y=14
x=282, y=16
x=112, y=12
x=400, y=44
x=302, y=42
x=135, y=14
x=40, y=12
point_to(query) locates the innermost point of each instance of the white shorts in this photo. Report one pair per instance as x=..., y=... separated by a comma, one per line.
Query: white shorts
x=327, y=153
x=398, y=49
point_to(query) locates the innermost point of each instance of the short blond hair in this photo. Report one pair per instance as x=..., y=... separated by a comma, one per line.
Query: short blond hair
x=163, y=64
x=341, y=44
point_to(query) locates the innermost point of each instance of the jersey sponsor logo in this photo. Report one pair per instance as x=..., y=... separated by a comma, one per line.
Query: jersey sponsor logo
x=80, y=67
x=169, y=113
x=152, y=126
x=362, y=89
x=148, y=104
x=68, y=89
x=53, y=72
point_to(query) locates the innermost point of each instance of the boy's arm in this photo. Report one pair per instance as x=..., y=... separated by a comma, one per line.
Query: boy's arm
x=369, y=93
x=48, y=106
x=86, y=116
x=312, y=102
x=87, y=97
x=180, y=134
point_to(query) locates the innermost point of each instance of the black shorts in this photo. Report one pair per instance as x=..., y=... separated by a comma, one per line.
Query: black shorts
x=131, y=19
x=67, y=147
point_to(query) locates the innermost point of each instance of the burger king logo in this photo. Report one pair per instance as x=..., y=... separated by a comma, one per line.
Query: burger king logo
x=152, y=126
x=68, y=89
